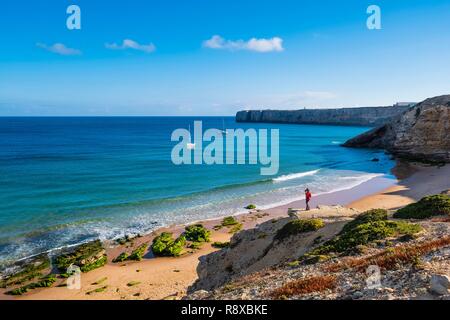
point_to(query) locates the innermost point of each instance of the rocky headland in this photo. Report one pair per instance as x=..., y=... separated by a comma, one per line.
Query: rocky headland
x=421, y=133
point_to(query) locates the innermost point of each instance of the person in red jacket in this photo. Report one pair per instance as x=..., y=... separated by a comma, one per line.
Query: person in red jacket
x=307, y=198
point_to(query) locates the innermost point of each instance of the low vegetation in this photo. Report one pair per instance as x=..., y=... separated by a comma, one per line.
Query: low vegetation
x=229, y=221
x=197, y=233
x=425, y=208
x=304, y=286
x=165, y=245
x=221, y=245
x=392, y=257
x=133, y=283
x=236, y=228
x=365, y=229
x=299, y=226
x=366, y=217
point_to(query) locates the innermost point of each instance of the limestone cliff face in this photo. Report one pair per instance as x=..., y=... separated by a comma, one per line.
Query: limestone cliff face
x=367, y=116
x=421, y=133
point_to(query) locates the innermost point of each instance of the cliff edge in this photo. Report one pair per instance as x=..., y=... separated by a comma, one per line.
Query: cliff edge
x=422, y=133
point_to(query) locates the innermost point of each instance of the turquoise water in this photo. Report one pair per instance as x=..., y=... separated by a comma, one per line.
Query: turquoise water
x=68, y=180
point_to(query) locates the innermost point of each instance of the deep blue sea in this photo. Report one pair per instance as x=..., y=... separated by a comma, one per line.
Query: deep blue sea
x=64, y=181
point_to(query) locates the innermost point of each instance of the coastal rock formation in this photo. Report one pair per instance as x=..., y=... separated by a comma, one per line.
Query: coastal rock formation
x=366, y=116
x=421, y=133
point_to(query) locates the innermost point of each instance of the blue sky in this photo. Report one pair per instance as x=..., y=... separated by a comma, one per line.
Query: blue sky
x=313, y=54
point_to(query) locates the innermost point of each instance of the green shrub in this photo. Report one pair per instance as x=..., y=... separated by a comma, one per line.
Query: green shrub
x=364, y=234
x=299, y=226
x=365, y=217
x=237, y=227
x=250, y=207
x=197, y=233
x=138, y=253
x=229, y=221
x=427, y=207
x=165, y=245
x=221, y=245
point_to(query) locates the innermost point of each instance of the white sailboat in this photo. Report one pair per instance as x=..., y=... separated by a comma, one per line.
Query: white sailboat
x=190, y=145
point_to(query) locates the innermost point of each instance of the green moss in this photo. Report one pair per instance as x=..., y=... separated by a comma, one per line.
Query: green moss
x=221, y=245
x=45, y=282
x=427, y=207
x=250, y=207
x=195, y=245
x=100, y=281
x=138, y=253
x=197, y=233
x=87, y=256
x=101, y=289
x=28, y=271
x=94, y=265
x=229, y=221
x=121, y=257
x=133, y=283
x=299, y=226
x=165, y=245
x=365, y=217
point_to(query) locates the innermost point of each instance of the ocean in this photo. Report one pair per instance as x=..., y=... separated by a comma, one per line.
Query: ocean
x=68, y=180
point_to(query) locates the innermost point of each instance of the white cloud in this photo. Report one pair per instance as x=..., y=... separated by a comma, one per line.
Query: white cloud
x=254, y=44
x=131, y=44
x=59, y=48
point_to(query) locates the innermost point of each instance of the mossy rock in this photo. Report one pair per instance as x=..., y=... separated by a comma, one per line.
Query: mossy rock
x=138, y=253
x=221, y=245
x=365, y=217
x=87, y=257
x=165, y=245
x=250, y=207
x=27, y=271
x=195, y=245
x=229, y=221
x=45, y=282
x=197, y=233
x=235, y=228
x=425, y=208
x=121, y=257
x=299, y=226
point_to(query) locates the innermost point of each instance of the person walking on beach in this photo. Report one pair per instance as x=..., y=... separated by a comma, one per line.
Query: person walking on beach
x=307, y=198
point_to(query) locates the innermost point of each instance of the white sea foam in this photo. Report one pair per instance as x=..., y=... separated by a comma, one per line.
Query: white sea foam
x=295, y=175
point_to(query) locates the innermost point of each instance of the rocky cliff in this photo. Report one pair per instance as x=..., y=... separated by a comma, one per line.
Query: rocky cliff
x=421, y=133
x=367, y=116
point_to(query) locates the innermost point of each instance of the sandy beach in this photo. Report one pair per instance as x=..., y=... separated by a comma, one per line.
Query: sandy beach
x=168, y=278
